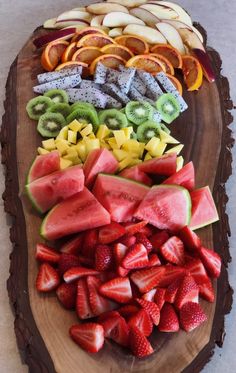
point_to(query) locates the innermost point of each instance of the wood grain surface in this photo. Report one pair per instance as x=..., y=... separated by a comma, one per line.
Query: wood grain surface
x=41, y=324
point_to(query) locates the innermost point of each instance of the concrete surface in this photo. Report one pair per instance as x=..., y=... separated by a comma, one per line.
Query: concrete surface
x=17, y=20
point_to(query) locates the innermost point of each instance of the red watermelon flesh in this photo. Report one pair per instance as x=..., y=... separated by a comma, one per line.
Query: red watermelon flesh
x=166, y=207
x=47, y=191
x=165, y=165
x=99, y=160
x=119, y=196
x=77, y=213
x=184, y=177
x=203, y=208
x=44, y=165
x=135, y=174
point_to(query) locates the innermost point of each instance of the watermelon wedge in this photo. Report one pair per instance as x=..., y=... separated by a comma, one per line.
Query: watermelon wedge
x=99, y=160
x=166, y=207
x=203, y=208
x=134, y=173
x=44, y=165
x=77, y=213
x=184, y=177
x=119, y=196
x=47, y=191
x=165, y=165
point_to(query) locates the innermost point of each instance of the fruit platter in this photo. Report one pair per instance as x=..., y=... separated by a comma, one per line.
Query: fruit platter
x=116, y=143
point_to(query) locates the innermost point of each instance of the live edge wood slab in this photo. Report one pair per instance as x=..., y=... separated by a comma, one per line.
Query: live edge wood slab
x=41, y=325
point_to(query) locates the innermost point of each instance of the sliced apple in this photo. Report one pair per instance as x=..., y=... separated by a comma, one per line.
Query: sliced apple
x=149, y=34
x=147, y=17
x=128, y=3
x=81, y=8
x=205, y=62
x=183, y=16
x=97, y=20
x=50, y=23
x=105, y=8
x=171, y=35
x=71, y=23
x=120, y=19
x=160, y=11
x=74, y=14
x=114, y=32
x=55, y=35
x=179, y=24
x=191, y=39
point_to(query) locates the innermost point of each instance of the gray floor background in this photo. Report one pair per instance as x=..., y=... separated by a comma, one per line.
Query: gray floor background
x=17, y=20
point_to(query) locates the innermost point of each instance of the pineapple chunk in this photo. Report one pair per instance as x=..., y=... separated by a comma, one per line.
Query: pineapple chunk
x=65, y=163
x=135, y=161
x=180, y=163
x=49, y=144
x=128, y=131
x=103, y=132
x=152, y=144
x=86, y=130
x=141, y=149
x=127, y=162
x=105, y=145
x=75, y=126
x=112, y=142
x=147, y=156
x=132, y=146
x=158, y=150
x=42, y=151
x=92, y=136
x=62, y=146
x=120, y=154
x=165, y=137
x=92, y=144
x=120, y=137
x=72, y=151
x=176, y=149
x=63, y=134
x=72, y=137
x=81, y=150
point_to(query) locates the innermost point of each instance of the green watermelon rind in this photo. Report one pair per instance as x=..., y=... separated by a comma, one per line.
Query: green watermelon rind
x=32, y=200
x=125, y=179
x=41, y=231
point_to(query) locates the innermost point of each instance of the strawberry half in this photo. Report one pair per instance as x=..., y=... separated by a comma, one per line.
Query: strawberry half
x=147, y=279
x=206, y=290
x=66, y=262
x=47, y=278
x=190, y=239
x=191, y=316
x=142, y=321
x=188, y=292
x=89, y=243
x=132, y=229
x=107, y=315
x=110, y=233
x=128, y=310
x=116, y=329
x=128, y=240
x=141, y=238
x=173, y=250
x=149, y=295
x=89, y=336
x=119, y=252
x=154, y=260
x=172, y=290
x=66, y=294
x=159, y=297
x=75, y=273
x=45, y=253
x=139, y=344
x=169, y=321
x=97, y=302
x=83, y=308
x=136, y=257
x=151, y=308
x=118, y=289
x=158, y=239
x=74, y=245
x=211, y=261
x=171, y=273
x=103, y=258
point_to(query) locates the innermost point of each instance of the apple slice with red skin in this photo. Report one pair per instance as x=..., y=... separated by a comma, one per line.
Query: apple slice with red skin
x=179, y=24
x=146, y=16
x=74, y=14
x=205, y=62
x=55, y=35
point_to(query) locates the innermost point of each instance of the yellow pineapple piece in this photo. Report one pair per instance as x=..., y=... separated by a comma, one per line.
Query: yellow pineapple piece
x=127, y=162
x=42, y=151
x=112, y=142
x=65, y=163
x=120, y=137
x=92, y=136
x=75, y=125
x=92, y=144
x=135, y=161
x=141, y=149
x=102, y=132
x=165, y=137
x=72, y=137
x=49, y=144
x=128, y=131
x=120, y=154
x=86, y=130
x=179, y=163
x=62, y=146
x=63, y=134
x=132, y=146
x=159, y=150
x=176, y=149
x=81, y=150
x=147, y=156
x=152, y=144
x=104, y=144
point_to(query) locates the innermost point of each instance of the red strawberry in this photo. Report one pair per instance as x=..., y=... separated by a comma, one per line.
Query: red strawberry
x=74, y=245
x=97, y=302
x=206, y=290
x=147, y=279
x=66, y=294
x=122, y=272
x=83, y=308
x=171, y=273
x=191, y=316
x=147, y=230
x=45, y=253
x=128, y=240
x=116, y=329
x=89, y=243
x=159, y=297
x=118, y=289
x=110, y=233
x=169, y=321
x=151, y=308
x=154, y=260
x=89, y=336
x=141, y=238
x=107, y=315
x=158, y=239
x=188, y=292
x=136, y=257
x=172, y=290
x=75, y=273
x=190, y=239
x=86, y=261
x=103, y=258
x=211, y=261
x=66, y=262
x=133, y=228
x=149, y=295
x=47, y=278
x=142, y=321
x=128, y=310
x=119, y=253
x=173, y=250
x=139, y=344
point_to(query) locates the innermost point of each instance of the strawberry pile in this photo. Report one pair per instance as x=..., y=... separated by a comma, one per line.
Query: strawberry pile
x=129, y=279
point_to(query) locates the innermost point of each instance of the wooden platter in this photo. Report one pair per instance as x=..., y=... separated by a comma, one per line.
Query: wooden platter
x=41, y=325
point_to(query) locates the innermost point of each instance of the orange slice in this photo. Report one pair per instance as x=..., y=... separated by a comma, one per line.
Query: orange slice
x=87, y=31
x=176, y=83
x=94, y=40
x=70, y=64
x=87, y=54
x=52, y=54
x=147, y=63
x=118, y=50
x=109, y=60
x=169, y=68
x=69, y=51
x=136, y=44
x=170, y=53
x=193, y=74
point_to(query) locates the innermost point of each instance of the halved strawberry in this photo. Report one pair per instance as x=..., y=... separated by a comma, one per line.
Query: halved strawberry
x=89, y=336
x=107, y=315
x=190, y=239
x=103, y=258
x=147, y=279
x=141, y=238
x=119, y=253
x=159, y=297
x=47, y=278
x=110, y=233
x=149, y=295
x=142, y=321
x=97, y=302
x=136, y=257
x=86, y=261
x=158, y=239
x=206, y=290
x=151, y=308
x=188, y=292
x=171, y=273
x=127, y=240
x=211, y=261
x=74, y=245
x=173, y=250
x=45, y=253
x=191, y=316
x=83, y=308
x=133, y=228
x=116, y=329
x=128, y=310
x=122, y=272
x=139, y=344
x=169, y=321
x=172, y=290
x=89, y=243
x=75, y=273
x=154, y=260
x=148, y=230
x=66, y=294
x=66, y=262
x=118, y=289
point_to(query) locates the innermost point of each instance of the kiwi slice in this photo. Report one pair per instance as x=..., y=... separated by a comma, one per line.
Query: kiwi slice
x=84, y=115
x=57, y=96
x=139, y=112
x=147, y=130
x=50, y=124
x=83, y=105
x=38, y=106
x=168, y=107
x=164, y=128
x=113, y=118
x=62, y=108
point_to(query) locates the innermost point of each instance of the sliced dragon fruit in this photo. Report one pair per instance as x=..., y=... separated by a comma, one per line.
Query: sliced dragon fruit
x=49, y=77
x=170, y=88
x=100, y=74
x=134, y=94
x=92, y=96
x=112, y=103
x=62, y=83
x=153, y=89
x=156, y=116
x=125, y=78
x=88, y=84
x=112, y=76
x=138, y=85
x=115, y=92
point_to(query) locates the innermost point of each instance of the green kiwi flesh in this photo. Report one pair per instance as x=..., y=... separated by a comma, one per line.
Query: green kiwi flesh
x=62, y=108
x=38, y=106
x=57, y=96
x=50, y=124
x=139, y=112
x=83, y=105
x=147, y=130
x=113, y=118
x=84, y=115
x=168, y=107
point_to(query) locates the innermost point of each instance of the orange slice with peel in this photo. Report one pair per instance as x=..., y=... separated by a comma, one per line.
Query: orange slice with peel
x=136, y=44
x=193, y=74
x=176, y=83
x=52, y=54
x=109, y=60
x=70, y=64
x=118, y=50
x=87, y=31
x=169, y=67
x=147, y=63
x=169, y=52
x=87, y=54
x=95, y=40
x=69, y=51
